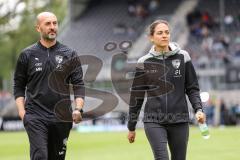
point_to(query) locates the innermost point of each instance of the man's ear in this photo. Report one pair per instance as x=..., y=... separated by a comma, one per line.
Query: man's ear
x=37, y=27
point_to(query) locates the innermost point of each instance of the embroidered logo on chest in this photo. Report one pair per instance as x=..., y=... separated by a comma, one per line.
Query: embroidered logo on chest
x=176, y=64
x=59, y=60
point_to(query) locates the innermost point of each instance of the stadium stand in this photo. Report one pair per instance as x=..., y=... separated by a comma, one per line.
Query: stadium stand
x=110, y=21
x=214, y=42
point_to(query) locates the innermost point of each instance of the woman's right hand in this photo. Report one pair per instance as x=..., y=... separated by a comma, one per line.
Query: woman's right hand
x=131, y=136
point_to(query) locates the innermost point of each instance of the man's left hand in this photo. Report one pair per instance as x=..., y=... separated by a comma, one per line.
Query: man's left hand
x=77, y=116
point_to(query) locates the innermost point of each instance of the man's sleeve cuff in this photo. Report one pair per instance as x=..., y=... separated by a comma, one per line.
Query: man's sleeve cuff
x=131, y=126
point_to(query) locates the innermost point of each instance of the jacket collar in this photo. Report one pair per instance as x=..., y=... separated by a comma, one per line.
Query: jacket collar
x=39, y=44
x=174, y=48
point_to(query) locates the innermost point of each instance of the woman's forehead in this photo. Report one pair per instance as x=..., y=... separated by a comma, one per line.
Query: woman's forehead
x=161, y=26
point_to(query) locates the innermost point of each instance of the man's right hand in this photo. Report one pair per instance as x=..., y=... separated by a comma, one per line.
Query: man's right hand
x=131, y=136
x=21, y=114
x=20, y=101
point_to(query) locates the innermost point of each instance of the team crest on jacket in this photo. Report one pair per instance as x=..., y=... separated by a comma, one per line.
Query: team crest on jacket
x=59, y=59
x=176, y=63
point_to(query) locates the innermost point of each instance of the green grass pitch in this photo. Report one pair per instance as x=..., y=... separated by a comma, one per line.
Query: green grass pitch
x=224, y=144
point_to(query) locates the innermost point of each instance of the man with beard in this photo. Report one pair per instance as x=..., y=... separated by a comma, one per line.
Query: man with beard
x=43, y=73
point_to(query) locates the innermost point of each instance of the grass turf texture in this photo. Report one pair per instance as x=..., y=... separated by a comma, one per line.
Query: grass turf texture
x=223, y=144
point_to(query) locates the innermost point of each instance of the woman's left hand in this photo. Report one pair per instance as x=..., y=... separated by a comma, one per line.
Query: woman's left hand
x=200, y=116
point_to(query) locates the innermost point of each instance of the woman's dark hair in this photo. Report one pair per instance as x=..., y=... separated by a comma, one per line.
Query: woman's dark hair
x=152, y=26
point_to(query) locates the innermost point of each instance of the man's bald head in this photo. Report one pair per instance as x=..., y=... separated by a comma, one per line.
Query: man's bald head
x=47, y=25
x=43, y=15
